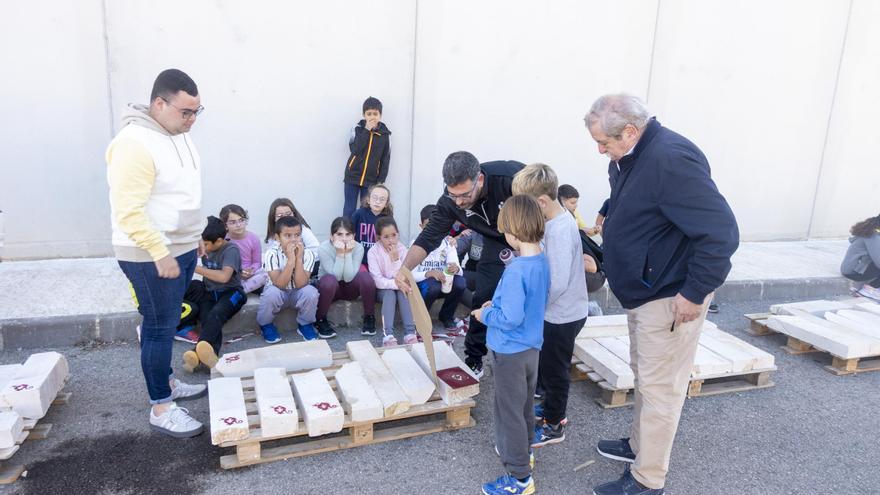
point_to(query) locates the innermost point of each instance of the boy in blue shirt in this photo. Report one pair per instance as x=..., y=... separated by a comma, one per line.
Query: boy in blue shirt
x=515, y=321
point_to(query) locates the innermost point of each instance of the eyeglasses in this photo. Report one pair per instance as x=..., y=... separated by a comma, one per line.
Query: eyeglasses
x=235, y=223
x=465, y=195
x=282, y=215
x=186, y=113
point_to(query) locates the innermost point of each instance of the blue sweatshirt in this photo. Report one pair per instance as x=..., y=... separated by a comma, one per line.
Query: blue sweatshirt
x=516, y=317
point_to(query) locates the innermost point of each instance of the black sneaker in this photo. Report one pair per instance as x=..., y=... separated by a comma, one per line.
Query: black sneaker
x=547, y=434
x=713, y=308
x=626, y=485
x=476, y=367
x=325, y=329
x=618, y=450
x=369, y=326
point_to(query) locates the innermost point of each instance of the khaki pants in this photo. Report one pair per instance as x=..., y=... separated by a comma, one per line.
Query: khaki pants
x=661, y=361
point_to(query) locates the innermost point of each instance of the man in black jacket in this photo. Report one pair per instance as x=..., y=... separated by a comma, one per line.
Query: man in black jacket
x=474, y=196
x=668, y=238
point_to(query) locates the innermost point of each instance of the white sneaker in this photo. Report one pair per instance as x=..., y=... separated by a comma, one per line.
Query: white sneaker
x=869, y=292
x=184, y=391
x=175, y=422
x=389, y=341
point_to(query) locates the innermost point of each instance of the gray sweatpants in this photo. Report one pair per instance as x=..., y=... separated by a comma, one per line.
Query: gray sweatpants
x=515, y=378
x=391, y=298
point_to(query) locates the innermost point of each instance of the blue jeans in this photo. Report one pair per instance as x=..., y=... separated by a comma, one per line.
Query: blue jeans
x=351, y=198
x=159, y=302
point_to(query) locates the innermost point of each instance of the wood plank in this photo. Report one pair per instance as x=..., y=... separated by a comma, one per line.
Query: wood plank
x=604, y=326
x=343, y=442
x=840, y=343
x=9, y=474
x=707, y=362
x=619, y=346
x=613, y=369
x=818, y=307
x=745, y=357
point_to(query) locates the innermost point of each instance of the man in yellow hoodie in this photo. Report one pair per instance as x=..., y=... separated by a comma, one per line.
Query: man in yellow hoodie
x=154, y=173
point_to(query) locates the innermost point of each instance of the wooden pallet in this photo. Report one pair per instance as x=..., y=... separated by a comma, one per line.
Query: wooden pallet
x=611, y=397
x=847, y=330
x=432, y=417
x=33, y=430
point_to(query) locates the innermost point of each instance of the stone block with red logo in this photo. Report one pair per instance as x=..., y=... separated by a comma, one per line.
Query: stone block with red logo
x=229, y=421
x=456, y=382
x=32, y=387
x=320, y=408
x=295, y=356
x=278, y=416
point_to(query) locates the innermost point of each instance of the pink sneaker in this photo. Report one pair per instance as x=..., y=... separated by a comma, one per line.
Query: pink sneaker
x=410, y=338
x=389, y=341
x=869, y=292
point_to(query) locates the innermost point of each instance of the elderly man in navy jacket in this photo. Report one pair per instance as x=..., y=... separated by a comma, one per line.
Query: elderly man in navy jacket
x=668, y=238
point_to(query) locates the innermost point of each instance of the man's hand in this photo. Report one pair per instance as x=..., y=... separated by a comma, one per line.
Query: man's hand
x=685, y=310
x=590, y=264
x=402, y=283
x=168, y=267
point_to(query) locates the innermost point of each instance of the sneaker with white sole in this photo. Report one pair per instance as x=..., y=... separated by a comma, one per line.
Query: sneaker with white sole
x=176, y=422
x=186, y=391
x=869, y=292
x=187, y=334
x=410, y=338
x=206, y=354
x=476, y=368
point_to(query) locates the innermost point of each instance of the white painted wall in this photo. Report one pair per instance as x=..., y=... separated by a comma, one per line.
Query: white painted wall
x=752, y=83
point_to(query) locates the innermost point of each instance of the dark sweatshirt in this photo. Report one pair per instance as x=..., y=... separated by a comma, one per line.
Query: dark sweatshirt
x=668, y=229
x=370, y=155
x=482, y=217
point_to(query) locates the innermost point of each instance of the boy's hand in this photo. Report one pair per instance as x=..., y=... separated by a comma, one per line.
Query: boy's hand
x=590, y=264
x=436, y=275
x=452, y=268
x=486, y=304
x=290, y=251
x=371, y=124
x=478, y=314
x=298, y=250
x=246, y=273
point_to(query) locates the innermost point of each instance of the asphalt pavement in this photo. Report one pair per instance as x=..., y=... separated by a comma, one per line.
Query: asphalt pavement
x=813, y=432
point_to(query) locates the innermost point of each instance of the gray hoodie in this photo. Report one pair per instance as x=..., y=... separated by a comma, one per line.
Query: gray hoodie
x=861, y=254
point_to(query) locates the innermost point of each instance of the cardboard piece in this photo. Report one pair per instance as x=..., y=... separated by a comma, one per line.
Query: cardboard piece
x=422, y=319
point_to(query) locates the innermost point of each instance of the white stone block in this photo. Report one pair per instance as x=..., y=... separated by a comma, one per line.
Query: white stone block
x=839, y=341
x=11, y=427
x=229, y=421
x=35, y=385
x=295, y=356
x=320, y=408
x=451, y=391
x=414, y=382
x=275, y=402
x=394, y=399
x=7, y=372
x=614, y=370
x=604, y=326
x=358, y=397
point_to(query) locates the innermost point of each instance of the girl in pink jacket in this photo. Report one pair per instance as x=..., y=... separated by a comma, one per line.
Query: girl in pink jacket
x=385, y=259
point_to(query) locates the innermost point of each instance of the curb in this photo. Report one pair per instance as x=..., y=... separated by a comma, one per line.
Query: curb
x=65, y=331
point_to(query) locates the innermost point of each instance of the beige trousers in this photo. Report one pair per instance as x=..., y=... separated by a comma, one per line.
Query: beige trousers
x=661, y=361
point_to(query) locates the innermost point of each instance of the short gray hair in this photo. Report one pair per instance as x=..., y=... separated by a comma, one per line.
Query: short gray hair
x=460, y=167
x=614, y=112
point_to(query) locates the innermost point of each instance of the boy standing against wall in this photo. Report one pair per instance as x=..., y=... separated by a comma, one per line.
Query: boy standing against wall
x=370, y=147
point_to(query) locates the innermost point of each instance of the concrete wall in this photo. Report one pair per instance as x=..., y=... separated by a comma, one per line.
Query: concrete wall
x=782, y=102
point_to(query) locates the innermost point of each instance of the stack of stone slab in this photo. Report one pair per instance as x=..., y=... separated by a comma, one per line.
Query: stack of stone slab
x=394, y=399
x=604, y=346
x=296, y=356
x=31, y=387
x=848, y=329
